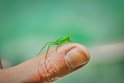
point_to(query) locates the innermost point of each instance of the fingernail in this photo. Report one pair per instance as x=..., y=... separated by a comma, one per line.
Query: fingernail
x=75, y=58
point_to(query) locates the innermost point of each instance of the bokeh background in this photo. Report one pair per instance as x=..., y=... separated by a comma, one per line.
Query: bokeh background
x=26, y=25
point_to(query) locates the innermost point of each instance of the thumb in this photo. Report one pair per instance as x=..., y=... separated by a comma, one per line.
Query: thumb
x=66, y=59
x=61, y=62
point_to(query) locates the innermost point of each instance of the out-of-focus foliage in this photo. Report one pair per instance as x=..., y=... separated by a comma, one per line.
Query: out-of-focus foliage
x=26, y=25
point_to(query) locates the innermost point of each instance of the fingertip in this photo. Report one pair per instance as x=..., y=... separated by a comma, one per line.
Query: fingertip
x=67, y=59
x=67, y=47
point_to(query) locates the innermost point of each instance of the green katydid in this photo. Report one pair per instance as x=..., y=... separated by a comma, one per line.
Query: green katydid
x=58, y=42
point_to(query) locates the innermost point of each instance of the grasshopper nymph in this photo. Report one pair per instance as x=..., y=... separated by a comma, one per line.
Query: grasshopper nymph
x=58, y=42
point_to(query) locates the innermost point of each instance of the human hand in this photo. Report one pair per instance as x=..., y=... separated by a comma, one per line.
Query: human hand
x=65, y=60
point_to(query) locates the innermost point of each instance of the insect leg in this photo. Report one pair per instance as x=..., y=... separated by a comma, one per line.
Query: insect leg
x=47, y=51
x=49, y=44
x=57, y=47
x=42, y=48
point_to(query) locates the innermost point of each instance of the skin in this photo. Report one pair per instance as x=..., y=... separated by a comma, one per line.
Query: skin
x=32, y=71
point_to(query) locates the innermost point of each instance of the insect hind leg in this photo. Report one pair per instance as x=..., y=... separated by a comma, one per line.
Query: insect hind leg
x=49, y=44
x=47, y=51
x=42, y=48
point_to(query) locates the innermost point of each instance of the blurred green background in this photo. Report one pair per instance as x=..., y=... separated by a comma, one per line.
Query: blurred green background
x=26, y=25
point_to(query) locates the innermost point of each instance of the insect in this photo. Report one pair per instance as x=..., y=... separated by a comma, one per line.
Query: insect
x=58, y=42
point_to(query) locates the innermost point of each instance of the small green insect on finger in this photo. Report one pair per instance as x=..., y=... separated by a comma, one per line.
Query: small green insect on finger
x=58, y=42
